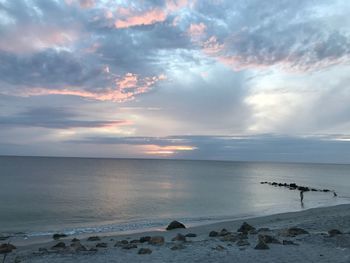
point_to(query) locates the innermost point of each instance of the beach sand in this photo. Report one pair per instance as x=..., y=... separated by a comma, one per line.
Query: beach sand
x=316, y=246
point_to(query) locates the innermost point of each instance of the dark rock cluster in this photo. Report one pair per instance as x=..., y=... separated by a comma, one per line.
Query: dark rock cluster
x=294, y=186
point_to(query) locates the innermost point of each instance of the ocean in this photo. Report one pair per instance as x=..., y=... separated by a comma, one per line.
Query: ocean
x=41, y=196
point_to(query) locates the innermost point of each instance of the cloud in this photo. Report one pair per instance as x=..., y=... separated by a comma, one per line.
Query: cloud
x=54, y=118
x=146, y=18
x=264, y=147
x=126, y=89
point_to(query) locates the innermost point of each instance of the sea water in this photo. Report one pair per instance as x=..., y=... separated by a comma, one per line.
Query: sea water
x=40, y=196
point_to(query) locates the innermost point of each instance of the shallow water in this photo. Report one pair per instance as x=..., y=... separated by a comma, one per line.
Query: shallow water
x=77, y=195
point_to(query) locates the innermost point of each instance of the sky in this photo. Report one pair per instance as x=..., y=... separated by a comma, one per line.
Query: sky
x=244, y=80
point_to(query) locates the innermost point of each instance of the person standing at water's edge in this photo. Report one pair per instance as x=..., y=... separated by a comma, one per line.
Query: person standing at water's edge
x=301, y=196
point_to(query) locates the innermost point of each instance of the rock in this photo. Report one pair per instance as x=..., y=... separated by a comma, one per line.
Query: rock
x=334, y=232
x=293, y=185
x=224, y=232
x=264, y=229
x=6, y=248
x=190, y=235
x=43, y=250
x=288, y=242
x=94, y=238
x=261, y=245
x=295, y=231
x=242, y=243
x=135, y=241
x=326, y=190
x=242, y=236
x=179, y=237
x=245, y=228
x=58, y=246
x=58, y=236
x=269, y=239
x=103, y=245
x=121, y=243
x=93, y=249
x=75, y=240
x=156, y=240
x=144, y=251
x=145, y=239
x=77, y=246
x=177, y=247
x=175, y=225
x=213, y=234
x=229, y=238
x=4, y=237
x=129, y=246
x=253, y=232
x=219, y=248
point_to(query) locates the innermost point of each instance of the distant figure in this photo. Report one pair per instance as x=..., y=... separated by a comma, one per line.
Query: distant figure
x=301, y=196
x=335, y=194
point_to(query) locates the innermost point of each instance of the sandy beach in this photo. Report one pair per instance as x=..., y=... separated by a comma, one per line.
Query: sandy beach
x=289, y=237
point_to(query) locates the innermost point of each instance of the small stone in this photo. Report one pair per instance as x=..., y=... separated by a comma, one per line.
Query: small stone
x=175, y=225
x=121, y=243
x=77, y=246
x=261, y=245
x=75, y=240
x=295, y=231
x=242, y=236
x=129, y=246
x=6, y=248
x=219, y=248
x=269, y=239
x=58, y=236
x=334, y=232
x=94, y=238
x=103, y=245
x=177, y=247
x=213, y=234
x=190, y=235
x=43, y=250
x=229, y=238
x=224, y=232
x=58, y=246
x=245, y=228
x=135, y=241
x=145, y=239
x=4, y=237
x=144, y=251
x=264, y=229
x=242, y=243
x=179, y=237
x=253, y=232
x=288, y=243
x=156, y=240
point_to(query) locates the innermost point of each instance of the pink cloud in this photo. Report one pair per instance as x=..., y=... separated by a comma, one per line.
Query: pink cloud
x=87, y=3
x=212, y=46
x=130, y=17
x=30, y=38
x=127, y=87
x=146, y=18
x=196, y=30
x=167, y=149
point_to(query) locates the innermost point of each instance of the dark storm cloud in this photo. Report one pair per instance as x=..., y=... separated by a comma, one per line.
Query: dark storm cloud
x=54, y=118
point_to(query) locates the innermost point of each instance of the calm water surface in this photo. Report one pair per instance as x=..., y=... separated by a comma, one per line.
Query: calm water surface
x=43, y=195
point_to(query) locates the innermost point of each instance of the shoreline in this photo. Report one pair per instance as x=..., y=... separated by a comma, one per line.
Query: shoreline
x=24, y=238
x=317, y=221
